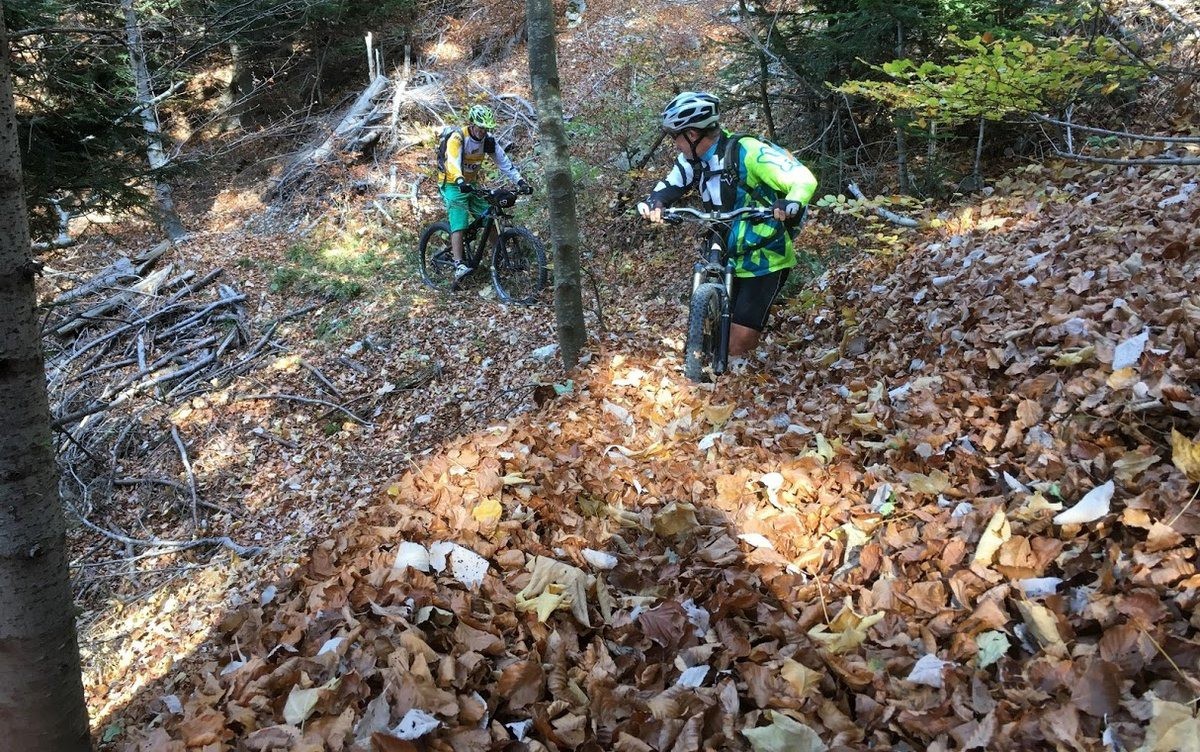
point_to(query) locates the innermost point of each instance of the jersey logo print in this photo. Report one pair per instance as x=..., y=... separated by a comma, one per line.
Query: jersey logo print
x=775, y=158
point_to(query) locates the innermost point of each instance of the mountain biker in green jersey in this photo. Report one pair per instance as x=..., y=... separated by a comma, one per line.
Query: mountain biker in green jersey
x=748, y=172
x=459, y=169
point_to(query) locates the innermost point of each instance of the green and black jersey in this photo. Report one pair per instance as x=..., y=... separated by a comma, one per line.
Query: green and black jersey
x=759, y=174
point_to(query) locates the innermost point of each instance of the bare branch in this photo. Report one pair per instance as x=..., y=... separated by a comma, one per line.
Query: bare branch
x=1175, y=161
x=1120, y=134
x=891, y=216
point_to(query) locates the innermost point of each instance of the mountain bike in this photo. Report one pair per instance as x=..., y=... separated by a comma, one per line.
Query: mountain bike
x=706, y=352
x=517, y=260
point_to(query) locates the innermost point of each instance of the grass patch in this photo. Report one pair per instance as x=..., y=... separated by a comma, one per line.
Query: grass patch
x=341, y=268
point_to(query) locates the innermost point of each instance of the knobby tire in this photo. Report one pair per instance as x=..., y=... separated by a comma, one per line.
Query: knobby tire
x=704, y=332
x=518, y=266
x=437, y=261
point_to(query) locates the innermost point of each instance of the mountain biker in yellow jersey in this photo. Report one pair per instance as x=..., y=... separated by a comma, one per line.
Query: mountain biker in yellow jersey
x=732, y=172
x=459, y=169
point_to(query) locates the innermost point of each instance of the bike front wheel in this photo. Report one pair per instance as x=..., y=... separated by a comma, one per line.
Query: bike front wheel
x=518, y=266
x=704, y=333
x=437, y=260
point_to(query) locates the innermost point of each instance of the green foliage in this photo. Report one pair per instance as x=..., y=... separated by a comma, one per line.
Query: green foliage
x=81, y=145
x=996, y=78
x=346, y=265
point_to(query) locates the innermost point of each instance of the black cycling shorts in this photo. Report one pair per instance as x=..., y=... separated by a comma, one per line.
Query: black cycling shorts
x=753, y=296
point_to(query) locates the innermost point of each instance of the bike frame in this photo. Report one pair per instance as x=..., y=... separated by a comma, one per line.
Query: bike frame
x=493, y=218
x=714, y=266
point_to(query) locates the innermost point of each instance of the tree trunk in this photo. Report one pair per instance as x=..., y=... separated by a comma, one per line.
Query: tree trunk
x=168, y=217
x=237, y=92
x=41, y=692
x=564, y=227
x=763, y=76
x=903, y=177
x=977, y=172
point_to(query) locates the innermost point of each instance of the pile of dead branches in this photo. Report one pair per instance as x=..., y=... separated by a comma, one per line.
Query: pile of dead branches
x=125, y=348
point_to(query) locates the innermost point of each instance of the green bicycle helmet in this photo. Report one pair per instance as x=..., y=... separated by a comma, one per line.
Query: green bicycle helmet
x=482, y=116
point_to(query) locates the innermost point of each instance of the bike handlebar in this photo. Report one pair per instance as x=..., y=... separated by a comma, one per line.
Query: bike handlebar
x=687, y=214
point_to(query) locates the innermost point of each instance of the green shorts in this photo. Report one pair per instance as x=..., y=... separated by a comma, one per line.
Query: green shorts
x=461, y=207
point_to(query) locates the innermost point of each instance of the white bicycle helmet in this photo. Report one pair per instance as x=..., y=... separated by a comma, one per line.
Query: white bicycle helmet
x=691, y=109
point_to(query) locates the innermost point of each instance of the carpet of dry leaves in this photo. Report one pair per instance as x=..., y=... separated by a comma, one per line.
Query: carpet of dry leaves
x=866, y=542
x=952, y=507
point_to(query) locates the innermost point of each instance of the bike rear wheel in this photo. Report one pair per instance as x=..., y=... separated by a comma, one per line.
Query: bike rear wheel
x=437, y=261
x=704, y=332
x=518, y=266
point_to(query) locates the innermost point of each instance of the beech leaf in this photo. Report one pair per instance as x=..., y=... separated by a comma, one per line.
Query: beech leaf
x=300, y=704
x=992, y=647
x=784, y=735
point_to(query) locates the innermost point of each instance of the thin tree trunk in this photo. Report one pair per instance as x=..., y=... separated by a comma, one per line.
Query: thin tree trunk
x=168, y=217
x=978, y=171
x=901, y=145
x=564, y=226
x=41, y=692
x=763, y=75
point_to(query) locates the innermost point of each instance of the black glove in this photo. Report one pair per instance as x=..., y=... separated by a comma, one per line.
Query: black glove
x=788, y=207
x=524, y=188
x=464, y=186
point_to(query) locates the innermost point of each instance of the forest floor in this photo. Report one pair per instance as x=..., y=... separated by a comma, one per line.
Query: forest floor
x=951, y=506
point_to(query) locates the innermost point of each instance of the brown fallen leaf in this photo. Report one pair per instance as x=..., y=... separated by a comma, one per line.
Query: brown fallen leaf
x=1098, y=691
x=521, y=684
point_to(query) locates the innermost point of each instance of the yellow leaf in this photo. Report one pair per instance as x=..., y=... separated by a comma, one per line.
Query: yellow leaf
x=393, y=490
x=1043, y=625
x=1082, y=355
x=1122, y=378
x=935, y=483
x=544, y=604
x=1186, y=455
x=718, y=414
x=487, y=512
x=846, y=632
x=299, y=704
x=994, y=535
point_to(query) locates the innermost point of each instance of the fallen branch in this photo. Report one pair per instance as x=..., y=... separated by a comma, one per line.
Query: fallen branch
x=172, y=546
x=891, y=216
x=306, y=400
x=156, y=481
x=187, y=467
x=1119, y=134
x=1149, y=161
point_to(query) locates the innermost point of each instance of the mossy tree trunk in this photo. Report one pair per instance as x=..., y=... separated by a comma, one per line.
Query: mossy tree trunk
x=560, y=189
x=41, y=692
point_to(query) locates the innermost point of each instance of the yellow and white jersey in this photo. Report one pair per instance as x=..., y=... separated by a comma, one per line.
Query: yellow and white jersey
x=464, y=157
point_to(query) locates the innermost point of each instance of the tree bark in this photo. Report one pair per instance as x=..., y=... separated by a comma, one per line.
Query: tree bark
x=41, y=691
x=560, y=189
x=903, y=177
x=237, y=92
x=155, y=154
